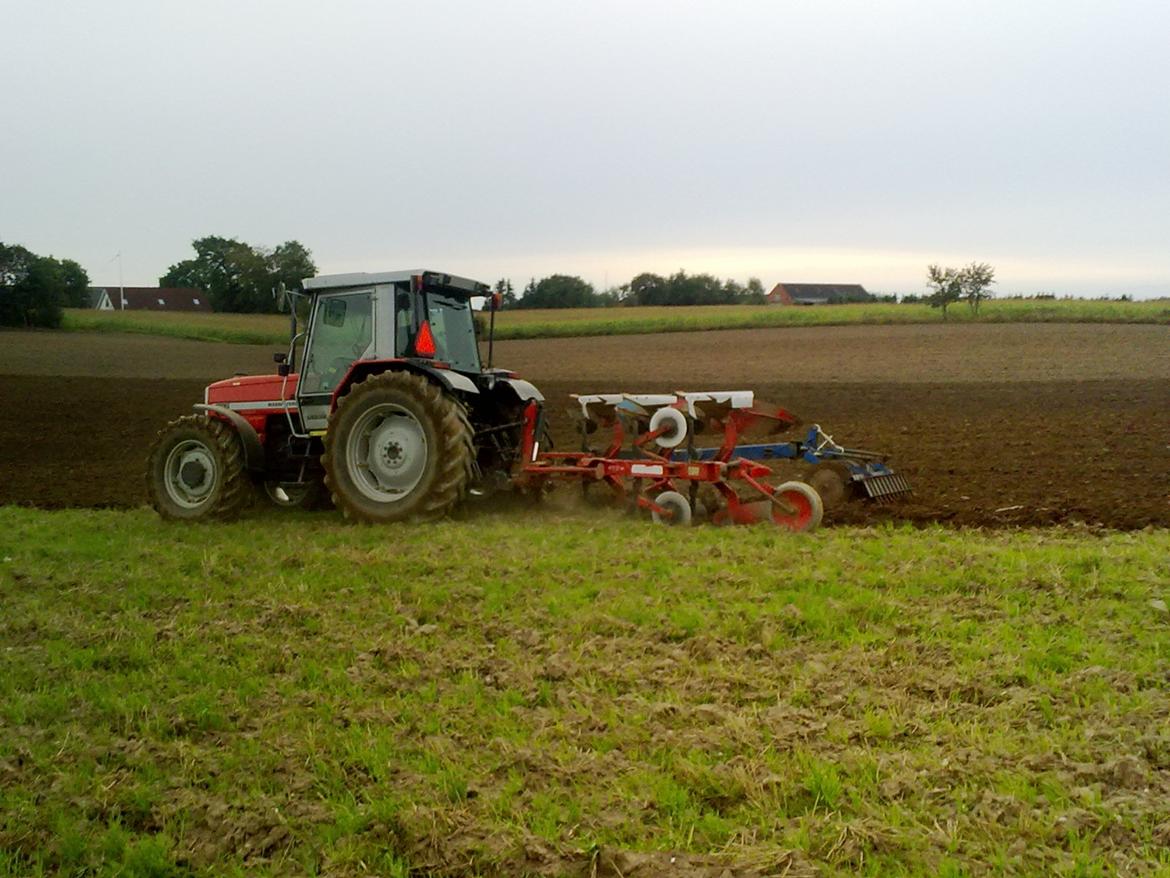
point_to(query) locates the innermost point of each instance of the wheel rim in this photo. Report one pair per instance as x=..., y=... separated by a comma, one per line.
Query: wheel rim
x=386, y=453
x=802, y=514
x=678, y=506
x=190, y=474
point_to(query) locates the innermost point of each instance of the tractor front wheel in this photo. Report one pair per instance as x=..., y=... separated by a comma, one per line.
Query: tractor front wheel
x=195, y=470
x=397, y=447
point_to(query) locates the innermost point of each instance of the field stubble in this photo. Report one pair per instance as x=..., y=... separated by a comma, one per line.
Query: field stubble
x=572, y=696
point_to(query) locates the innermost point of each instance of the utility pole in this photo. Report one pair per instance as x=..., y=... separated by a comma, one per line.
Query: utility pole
x=121, y=286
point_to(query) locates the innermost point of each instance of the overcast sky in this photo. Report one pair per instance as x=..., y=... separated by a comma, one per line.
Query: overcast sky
x=797, y=141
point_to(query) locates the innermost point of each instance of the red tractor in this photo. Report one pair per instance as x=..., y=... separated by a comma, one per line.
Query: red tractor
x=381, y=404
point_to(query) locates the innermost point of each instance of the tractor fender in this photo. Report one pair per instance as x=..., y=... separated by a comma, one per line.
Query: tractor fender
x=450, y=380
x=253, y=450
x=445, y=378
x=524, y=390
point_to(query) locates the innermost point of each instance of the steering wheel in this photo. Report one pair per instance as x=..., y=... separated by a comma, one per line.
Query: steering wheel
x=337, y=369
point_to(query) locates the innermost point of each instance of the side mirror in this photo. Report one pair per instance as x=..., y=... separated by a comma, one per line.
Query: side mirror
x=280, y=357
x=497, y=301
x=283, y=370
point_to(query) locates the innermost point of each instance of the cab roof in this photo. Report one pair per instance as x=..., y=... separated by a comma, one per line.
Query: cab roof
x=325, y=282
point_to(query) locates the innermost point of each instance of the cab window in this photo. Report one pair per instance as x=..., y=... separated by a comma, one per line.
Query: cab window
x=342, y=332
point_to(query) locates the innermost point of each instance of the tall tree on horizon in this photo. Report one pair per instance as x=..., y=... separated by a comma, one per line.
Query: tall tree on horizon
x=239, y=277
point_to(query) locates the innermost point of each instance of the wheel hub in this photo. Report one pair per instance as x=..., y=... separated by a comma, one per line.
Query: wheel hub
x=392, y=455
x=193, y=474
x=190, y=473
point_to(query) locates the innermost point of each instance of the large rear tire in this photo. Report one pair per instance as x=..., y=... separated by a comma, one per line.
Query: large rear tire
x=398, y=447
x=195, y=470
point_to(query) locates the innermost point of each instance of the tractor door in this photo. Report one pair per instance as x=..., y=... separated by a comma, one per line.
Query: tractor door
x=342, y=330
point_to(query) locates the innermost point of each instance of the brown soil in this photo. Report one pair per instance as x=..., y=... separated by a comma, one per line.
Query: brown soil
x=1037, y=445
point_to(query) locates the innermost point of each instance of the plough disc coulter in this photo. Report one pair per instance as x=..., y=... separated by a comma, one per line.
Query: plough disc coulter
x=651, y=461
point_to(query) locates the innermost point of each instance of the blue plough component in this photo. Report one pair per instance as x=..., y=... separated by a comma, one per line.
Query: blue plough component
x=866, y=468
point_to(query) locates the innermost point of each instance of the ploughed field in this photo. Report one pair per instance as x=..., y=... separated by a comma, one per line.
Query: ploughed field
x=993, y=424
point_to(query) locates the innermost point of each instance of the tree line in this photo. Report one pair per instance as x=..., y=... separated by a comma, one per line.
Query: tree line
x=34, y=289
x=242, y=277
x=680, y=288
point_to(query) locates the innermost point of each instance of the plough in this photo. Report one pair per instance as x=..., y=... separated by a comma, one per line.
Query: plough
x=651, y=461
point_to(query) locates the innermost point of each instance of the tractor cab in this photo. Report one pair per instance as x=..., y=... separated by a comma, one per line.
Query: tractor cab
x=358, y=321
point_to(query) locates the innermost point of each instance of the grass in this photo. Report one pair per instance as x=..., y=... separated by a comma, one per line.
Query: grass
x=269, y=329
x=273, y=329
x=508, y=695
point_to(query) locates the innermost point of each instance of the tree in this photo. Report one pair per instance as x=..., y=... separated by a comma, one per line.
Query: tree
x=14, y=262
x=753, y=293
x=216, y=269
x=691, y=289
x=698, y=289
x=239, y=277
x=649, y=289
x=559, y=291
x=612, y=297
x=74, y=284
x=975, y=282
x=946, y=286
x=36, y=298
x=289, y=264
x=34, y=289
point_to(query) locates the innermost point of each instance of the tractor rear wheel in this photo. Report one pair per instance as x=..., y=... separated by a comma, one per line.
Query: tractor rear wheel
x=397, y=447
x=195, y=470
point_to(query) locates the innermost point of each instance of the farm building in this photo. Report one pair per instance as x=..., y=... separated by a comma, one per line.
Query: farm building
x=148, y=299
x=817, y=294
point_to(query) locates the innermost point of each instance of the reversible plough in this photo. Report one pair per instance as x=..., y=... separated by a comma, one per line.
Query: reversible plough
x=651, y=461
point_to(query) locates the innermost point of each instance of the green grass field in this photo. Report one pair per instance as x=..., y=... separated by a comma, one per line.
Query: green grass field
x=273, y=329
x=509, y=694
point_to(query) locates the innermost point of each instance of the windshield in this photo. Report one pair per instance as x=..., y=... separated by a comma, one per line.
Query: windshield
x=454, y=330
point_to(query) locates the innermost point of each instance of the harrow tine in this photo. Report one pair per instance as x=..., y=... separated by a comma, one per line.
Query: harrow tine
x=884, y=487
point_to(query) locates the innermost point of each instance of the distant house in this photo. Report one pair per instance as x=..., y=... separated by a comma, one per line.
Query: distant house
x=817, y=294
x=148, y=299
x=99, y=299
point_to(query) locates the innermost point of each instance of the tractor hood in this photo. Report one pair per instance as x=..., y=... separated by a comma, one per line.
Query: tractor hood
x=251, y=389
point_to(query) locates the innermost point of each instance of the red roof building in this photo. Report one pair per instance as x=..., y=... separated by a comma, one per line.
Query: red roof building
x=817, y=294
x=149, y=299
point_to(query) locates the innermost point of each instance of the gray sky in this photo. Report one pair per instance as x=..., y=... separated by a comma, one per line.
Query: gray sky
x=797, y=141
